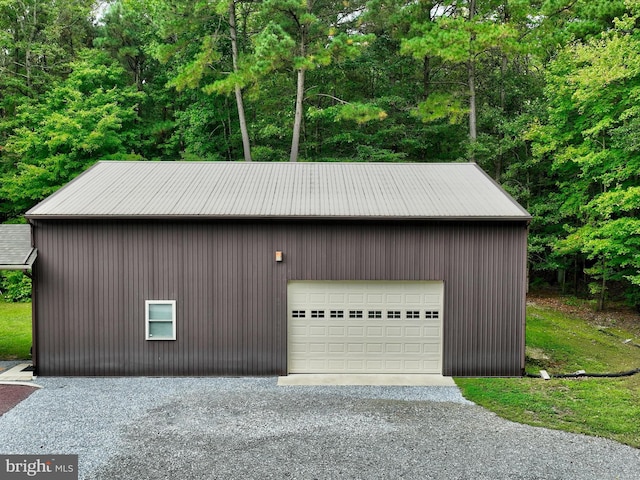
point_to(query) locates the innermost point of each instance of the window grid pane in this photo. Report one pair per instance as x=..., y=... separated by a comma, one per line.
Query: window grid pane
x=160, y=311
x=161, y=329
x=160, y=319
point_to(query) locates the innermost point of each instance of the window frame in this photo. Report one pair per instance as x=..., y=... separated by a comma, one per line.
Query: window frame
x=148, y=321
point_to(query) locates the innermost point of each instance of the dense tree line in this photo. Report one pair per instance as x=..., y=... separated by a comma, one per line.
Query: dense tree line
x=542, y=94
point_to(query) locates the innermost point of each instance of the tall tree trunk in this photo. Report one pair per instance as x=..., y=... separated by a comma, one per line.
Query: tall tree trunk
x=297, y=122
x=503, y=109
x=246, y=145
x=504, y=65
x=471, y=71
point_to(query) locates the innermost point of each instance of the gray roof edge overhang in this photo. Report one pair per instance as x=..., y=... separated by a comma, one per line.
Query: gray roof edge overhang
x=15, y=267
x=17, y=251
x=522, y=218
x=27, y=264
x=504, y=192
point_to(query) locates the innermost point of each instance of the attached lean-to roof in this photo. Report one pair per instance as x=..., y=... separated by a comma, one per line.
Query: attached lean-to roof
x=281, y=190
x=16, y=252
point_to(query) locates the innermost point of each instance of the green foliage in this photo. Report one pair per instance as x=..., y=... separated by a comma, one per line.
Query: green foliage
x=442, y=105
x=15, y=286
x=87, y=117
x=592, y=97
x=357, y=112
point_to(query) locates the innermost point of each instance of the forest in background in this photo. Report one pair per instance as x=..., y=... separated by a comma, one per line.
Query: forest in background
x=542, y=94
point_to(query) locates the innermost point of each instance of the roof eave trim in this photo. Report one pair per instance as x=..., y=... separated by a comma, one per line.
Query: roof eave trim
x=27, y=263
x=510, y=218
x=31, y=257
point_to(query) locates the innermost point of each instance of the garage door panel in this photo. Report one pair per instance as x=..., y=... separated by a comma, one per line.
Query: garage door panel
x=393, y=348
x=365, y=327
x=374, y=364
x=355, y=331
x=298, y=347
x=318, y=348
x=414, y=366
x=375, y=331
x=355, y=298
x=336, y=365
x=336, y=331
x=393, y=365
x=413, y=348
x=432, y=348
x=413, y=331
x=317, y=364
x=298, y=330
x=413, y=299
x=430, y=365
x=317, y=331
x=375, y=299
x=431, y=331
x=317, y=299
x=355, y=365
x=393, y=331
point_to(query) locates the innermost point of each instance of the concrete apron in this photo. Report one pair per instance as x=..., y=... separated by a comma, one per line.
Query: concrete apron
x=17, y=374
x=367, y=379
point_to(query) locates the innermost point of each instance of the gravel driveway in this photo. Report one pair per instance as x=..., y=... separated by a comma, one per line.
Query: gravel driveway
x=244, y=428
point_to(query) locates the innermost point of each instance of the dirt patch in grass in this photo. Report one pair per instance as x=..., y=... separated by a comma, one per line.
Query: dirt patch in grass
x=615, y=315
x=12, y=395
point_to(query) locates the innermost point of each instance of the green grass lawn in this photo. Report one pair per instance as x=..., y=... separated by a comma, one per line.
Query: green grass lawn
x=560, y=343
x=15, y=331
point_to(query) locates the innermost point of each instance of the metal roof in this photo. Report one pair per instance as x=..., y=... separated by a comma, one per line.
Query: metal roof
x=123, y=189
x=16, y=252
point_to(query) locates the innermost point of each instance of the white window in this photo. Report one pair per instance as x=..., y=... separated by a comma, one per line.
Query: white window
x=160, y=317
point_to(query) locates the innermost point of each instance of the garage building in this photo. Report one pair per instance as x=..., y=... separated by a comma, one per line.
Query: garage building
x=233, y=268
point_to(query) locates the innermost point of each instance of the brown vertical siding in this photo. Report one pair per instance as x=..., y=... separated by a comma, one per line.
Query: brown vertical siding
x=92, y=279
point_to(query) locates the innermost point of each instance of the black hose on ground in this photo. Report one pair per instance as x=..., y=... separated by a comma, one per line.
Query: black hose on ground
x=585, y=374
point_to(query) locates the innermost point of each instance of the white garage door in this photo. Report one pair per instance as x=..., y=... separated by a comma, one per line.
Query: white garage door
x=365, y=327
